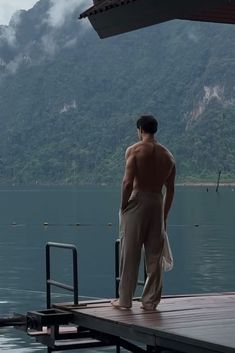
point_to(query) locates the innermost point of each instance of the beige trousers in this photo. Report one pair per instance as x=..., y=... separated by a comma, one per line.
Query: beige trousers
x=141, y=225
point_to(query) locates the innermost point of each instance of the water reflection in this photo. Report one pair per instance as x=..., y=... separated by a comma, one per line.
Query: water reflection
x=11, y=344
x=201, y=232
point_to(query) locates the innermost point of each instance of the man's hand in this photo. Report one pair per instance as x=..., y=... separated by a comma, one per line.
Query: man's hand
x=170, y=189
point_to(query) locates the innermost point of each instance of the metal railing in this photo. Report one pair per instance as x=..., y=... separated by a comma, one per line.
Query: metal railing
x=50, y=282
x=117, y=269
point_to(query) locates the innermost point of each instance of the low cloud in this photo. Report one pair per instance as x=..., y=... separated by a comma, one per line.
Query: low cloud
x=13, y=65
x=61, y=9
x=16, y=19
x=3, y=63
x=8, y=33
x=60, y=12
x=9, y=7
x=8, y=36
x=49, y=45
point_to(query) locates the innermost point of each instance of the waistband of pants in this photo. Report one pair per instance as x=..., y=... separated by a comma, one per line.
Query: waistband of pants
x=148, y=194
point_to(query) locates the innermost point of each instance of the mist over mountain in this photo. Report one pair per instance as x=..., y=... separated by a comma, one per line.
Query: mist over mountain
x=69, y=100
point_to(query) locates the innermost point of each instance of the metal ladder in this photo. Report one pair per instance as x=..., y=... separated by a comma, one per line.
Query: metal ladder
x=50, y=282
x=60, y=335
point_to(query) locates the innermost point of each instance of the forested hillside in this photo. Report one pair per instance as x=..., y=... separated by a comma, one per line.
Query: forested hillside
x=69, y=100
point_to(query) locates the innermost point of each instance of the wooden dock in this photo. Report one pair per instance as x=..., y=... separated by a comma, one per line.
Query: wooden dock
x=203, y=323
x=192, y=324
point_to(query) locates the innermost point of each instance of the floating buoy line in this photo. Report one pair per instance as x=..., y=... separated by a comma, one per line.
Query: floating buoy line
x=109, y=224
x=48, y=224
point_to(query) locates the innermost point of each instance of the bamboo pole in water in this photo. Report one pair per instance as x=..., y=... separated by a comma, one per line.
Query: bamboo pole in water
x=218, y=181
x=13, y=321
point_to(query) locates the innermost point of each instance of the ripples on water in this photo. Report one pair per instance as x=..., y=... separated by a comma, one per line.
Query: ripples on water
x=201, y=232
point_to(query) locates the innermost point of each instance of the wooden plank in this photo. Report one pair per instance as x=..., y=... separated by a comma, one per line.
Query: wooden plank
x=189, y=324
x=222, y=337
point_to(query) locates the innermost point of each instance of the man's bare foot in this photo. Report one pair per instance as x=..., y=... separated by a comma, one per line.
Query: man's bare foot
x=148, y=308
x=115, y=303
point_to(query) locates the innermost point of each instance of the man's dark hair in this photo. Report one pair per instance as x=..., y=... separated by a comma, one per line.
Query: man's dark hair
x=147, y=123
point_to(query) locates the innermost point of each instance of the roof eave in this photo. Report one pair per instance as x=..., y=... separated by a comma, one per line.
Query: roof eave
x=112, y=17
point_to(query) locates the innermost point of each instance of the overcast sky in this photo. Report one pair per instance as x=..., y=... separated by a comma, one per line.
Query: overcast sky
x=8, y=7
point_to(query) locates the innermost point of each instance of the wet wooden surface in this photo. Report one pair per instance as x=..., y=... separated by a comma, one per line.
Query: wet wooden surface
x=187, y=324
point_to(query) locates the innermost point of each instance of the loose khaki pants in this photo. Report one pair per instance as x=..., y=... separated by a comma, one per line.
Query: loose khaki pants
x=141, y=225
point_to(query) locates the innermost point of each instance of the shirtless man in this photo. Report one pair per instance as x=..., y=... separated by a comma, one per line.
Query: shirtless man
x=143, y=214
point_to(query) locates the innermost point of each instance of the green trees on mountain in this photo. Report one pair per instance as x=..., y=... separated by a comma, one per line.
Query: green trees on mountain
x=68, y=117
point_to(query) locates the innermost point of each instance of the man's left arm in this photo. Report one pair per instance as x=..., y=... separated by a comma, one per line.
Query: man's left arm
x=128, y=179
x=170, y=190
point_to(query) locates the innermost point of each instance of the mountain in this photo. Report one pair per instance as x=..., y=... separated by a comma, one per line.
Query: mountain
x=69, y=100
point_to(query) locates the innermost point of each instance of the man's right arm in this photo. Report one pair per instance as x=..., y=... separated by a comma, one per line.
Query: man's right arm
x=170, y=189
x=128, y=179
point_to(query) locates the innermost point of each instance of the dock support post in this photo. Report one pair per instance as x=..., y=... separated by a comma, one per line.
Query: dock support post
x=117, y=268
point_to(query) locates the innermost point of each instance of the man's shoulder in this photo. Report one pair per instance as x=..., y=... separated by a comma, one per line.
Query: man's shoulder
x=134, y=147
x=137, y=144
x=166, y=152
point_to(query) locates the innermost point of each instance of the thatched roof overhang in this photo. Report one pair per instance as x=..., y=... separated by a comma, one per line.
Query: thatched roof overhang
x=112, y=17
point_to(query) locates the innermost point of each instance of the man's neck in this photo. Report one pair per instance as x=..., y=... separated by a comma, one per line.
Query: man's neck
x=148, y=138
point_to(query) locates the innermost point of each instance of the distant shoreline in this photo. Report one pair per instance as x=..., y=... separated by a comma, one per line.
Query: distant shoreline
x=203, y=183
x=104, y=185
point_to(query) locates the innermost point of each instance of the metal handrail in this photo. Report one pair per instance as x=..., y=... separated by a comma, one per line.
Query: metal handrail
x=117, y=269
x=50, y=282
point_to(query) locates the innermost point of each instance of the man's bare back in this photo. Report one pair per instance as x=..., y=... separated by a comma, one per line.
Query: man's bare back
x=154, y=165
x=149, y=166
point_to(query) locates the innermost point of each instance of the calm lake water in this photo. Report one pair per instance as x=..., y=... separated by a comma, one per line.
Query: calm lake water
x=201, y=232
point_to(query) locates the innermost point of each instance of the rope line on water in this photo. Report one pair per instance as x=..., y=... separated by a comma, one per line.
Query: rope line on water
x=109, y=224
